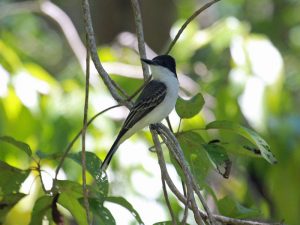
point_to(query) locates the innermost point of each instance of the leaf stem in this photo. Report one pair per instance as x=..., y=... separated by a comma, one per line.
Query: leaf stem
x=193, y=16
x=84, y=128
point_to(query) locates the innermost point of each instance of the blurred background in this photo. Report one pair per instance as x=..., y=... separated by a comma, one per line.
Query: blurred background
x=242, y=55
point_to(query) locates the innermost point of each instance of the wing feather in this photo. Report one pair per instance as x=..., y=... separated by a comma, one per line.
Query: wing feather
x=152, y=95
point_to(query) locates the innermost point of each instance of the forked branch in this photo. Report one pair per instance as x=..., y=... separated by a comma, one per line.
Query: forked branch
x=190, y=19
x=111, y=85
x=174, y=147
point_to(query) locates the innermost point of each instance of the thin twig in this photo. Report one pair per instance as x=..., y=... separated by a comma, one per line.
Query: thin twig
x=195, y=14
x=85, y=116
x=140, y=35
x=129, y=40
x=158, y=146
x=223, y=219
x=163, y=168
x=161, y=162
x=70, y=145
x=185, y=214
x=167, y=200
x=194, y=207
x=177, y=151
x=183, y=165
x=38, y=168
x=232, y=221
x=139, y=89
x=201, y=198
x=31, y=6
x=169, y=124
x=51, y=11
x=182, y=198
x=109, y=83
x=178, y=129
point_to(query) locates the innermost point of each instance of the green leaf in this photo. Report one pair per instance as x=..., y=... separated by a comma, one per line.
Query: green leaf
x=166, y=223
x=71, y=198
x=231, y=208
x=41, y=207
x=248, y=134
x=123, y=202
x=11, y=178
x=9, y=57
x=93, y=164
x=192, y=146
x=49, y=156
x=189, y=108
x=20, y=145
x=75, y=189
x=70, y=187
x=101, y=215
x=219, y=157
x=8, y=201
x=72, y=204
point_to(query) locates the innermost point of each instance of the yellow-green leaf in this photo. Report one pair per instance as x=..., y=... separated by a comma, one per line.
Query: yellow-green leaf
x=19, y=144
x=251, y=135
x=189, y=108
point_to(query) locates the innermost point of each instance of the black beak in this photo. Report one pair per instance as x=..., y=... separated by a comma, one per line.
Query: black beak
x=148, y=61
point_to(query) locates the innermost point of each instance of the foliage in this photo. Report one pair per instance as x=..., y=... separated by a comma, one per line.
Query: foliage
x=189, y=108
x=246, y=64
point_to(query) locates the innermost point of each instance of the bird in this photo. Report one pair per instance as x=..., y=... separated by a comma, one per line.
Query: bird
x=155, y=102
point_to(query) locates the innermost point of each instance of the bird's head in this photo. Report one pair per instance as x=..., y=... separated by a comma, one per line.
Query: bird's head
x=161, y=63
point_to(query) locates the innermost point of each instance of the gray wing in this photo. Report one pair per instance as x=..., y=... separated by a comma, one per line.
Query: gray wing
x=152, y=95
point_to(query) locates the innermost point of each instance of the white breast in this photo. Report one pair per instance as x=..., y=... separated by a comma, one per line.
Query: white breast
x=165, y=107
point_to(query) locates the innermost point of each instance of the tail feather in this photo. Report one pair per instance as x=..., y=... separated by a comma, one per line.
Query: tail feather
x=112, y=151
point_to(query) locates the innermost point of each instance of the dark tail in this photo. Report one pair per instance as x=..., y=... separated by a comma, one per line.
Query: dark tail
x=112, y=151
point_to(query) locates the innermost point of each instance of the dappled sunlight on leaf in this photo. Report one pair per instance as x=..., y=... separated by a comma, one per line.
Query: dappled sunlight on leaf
x=249, y=134
x=11, y=178
x=230, y=207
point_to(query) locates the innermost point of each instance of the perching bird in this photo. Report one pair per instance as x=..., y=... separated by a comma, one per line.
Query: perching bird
x=156, y=101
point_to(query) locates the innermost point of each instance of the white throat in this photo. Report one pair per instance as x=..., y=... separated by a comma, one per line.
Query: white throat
x=162, y=110
x=162, y=74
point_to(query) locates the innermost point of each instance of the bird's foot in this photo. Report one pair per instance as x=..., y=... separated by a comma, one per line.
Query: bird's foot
x=155, y=127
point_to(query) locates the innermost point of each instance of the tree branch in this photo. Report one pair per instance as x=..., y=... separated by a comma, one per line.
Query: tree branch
x=193, y=16
x=167, y=200
x=154, y=130
x=70, y=145
x=166, y=135
x=163, y=174
x=140, y=35
x=129, y=40
x=176, y=150
x=185, y=214
x=111, y=85
x=85, y=116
